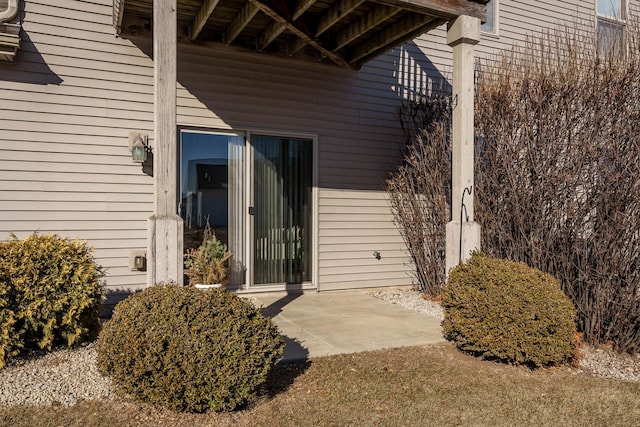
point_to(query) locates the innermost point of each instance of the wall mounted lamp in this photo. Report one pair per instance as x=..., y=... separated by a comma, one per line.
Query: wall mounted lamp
x=139, y=147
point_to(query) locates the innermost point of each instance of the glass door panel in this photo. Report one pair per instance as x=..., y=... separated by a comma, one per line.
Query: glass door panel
x=282, y=182
x=213, y=192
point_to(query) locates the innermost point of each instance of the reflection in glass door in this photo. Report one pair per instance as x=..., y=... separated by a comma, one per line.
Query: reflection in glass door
x=213, y=191
x=282, y=208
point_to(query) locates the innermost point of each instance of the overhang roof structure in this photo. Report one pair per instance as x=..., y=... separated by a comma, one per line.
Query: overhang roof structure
x=348, y=33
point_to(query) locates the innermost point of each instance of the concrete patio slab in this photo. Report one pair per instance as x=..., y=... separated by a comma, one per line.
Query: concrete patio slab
x=321, y=324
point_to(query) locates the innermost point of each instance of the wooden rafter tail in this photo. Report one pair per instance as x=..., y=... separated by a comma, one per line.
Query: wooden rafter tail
x=202, y=17
x=240, y=21
x=435, y=22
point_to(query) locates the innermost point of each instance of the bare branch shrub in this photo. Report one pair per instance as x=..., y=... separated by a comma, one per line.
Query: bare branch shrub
x=420, y=190
x=558, y=173
x=557, y=176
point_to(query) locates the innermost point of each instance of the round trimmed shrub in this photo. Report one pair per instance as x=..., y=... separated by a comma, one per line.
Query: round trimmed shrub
x=508, y=311
x=50, y=293
x=188, y=349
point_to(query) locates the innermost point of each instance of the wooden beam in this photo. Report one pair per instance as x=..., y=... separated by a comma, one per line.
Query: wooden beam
x=336, y=12
x=202, y=17
x=399, y=30
x=448, y=9
x=338, y=59
x=276, y=28
x=400, y=41
x=240, y=21
x=301, y=7
x=377, y=15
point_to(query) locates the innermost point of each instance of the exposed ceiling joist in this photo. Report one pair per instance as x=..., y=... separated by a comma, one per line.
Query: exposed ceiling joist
x=301, y=7
x=240, y=21
x=346, y=32
x=338, y=59
x=367, y=22
x=276, y=28
x=399, y=41
x=392, y=33
x=202, y=17
x=338, y=10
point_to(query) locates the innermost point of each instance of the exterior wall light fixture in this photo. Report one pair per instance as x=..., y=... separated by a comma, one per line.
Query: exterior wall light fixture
x=139, y=147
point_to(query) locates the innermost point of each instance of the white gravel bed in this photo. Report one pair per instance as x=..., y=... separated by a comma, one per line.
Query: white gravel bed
x=64, y=376
x=412, y=300
x=600, y=362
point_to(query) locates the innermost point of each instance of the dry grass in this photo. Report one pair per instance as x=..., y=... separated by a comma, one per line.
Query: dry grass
x=419, y=386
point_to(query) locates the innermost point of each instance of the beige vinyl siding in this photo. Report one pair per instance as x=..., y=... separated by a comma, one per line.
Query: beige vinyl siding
x=68, y=104
x=66, y=108
x=65, y=166
x=353, y=116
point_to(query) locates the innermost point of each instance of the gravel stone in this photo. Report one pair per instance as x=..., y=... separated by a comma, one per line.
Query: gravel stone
x=64, y=376
x=413, y=300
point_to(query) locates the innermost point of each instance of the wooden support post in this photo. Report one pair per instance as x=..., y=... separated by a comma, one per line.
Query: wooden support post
x=165, y=237
x=463, y=233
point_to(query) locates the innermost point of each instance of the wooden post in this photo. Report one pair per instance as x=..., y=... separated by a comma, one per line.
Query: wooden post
x=463, y=233
x=165, y=226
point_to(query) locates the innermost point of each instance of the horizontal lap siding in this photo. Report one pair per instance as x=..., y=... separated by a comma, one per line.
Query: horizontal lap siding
x=76, y=91
x=353, y=115
x=66, y=109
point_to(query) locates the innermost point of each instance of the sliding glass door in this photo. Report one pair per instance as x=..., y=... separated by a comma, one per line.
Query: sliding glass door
x=267, y=225
x=282, y=209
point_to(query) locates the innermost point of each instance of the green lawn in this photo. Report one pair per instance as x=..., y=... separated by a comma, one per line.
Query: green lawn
x=416, y=386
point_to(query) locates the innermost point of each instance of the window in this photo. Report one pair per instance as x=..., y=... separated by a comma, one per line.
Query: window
x=490, y=26
x=611, y=16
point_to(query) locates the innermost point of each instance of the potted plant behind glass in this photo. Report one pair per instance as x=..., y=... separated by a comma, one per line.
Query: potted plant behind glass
x=206, y=266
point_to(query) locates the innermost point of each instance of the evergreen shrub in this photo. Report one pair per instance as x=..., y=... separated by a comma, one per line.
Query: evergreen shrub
x=50, y=293
x=188, y=349
x=508, y=311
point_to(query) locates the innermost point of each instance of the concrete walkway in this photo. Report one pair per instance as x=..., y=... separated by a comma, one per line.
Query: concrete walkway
x=326, y=323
